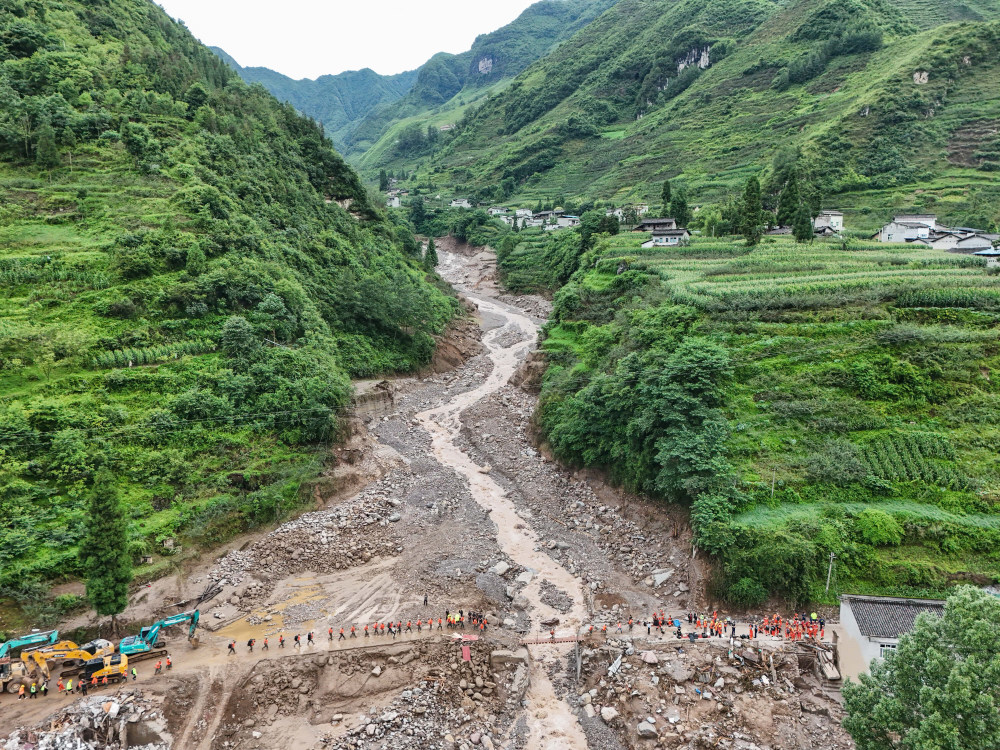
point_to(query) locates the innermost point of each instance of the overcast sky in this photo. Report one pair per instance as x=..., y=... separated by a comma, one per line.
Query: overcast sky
x=309, y=38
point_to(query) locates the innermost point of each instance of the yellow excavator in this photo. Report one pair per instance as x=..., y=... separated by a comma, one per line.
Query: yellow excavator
x=63, y=652
x=113, y=666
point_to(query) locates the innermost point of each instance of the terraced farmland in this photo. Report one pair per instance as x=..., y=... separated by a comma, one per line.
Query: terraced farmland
x=857, y=403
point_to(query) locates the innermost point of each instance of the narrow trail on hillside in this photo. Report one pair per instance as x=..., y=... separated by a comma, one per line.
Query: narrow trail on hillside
x=551, y=723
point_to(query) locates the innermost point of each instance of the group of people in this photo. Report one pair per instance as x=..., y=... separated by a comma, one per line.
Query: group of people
x=71, y=687
x=452, y=620
x=799, y=626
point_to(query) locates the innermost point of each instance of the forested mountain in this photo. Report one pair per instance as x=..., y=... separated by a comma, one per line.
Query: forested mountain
x=446, y=83
x=885, y=104
x=340, y=102
x=189, y=277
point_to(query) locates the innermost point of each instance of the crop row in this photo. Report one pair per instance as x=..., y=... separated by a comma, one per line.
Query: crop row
x=152, y=354
x=914, y=457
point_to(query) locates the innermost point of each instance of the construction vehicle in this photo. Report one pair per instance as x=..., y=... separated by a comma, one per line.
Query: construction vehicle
x=63, y=652
x=15, y=674
x=140, y=647
x=113, y=666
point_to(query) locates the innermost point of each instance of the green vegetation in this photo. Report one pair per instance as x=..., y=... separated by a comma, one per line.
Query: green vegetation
x=104, y=551
x=190, y=278
x=881, y=106
x=802, y=399
x=339, y=102
x=939, y=689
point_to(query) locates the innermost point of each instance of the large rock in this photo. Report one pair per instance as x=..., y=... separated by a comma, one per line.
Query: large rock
x=646, y=731
x=502, y=657
x=608, y=714
x=649, y=657
x=500, y=568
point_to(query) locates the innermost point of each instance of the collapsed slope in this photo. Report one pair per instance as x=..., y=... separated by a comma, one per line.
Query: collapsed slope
x=190, y=277
x=878, y=100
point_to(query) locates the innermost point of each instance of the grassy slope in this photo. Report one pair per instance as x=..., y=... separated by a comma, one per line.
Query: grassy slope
x=121, y=263
x=730, y=122
x=862, y=379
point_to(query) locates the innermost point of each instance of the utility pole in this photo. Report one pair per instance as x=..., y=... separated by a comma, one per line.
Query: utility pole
x=774, y=473
x=829, y=572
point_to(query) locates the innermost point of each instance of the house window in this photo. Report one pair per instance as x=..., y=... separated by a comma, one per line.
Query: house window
x=886, y=648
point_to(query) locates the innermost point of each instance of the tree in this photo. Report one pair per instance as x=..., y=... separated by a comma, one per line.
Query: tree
x=940, y=690
x=107, y=563
x=383, y=181
x=679, y=209
x=751, y=212
x=665, y=194
x=417, y=213
x=789, y=202
x=430, y=255
x=46, y=152
x=802, y=227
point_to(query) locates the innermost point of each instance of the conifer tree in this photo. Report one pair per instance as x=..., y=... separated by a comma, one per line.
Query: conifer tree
x=417, y=213
x=46, y=152
x=104, y=552
x=802, y=228
x=679, y=209
x=383, y=181
x=430, y=256
x=666, y=193
x=788, y=203
x=751, y=212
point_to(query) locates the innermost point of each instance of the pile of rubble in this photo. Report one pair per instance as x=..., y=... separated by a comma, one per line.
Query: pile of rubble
x=337, y=538
x=125, y=720
x=579, y=516
x=440, y=698
x=709, y=694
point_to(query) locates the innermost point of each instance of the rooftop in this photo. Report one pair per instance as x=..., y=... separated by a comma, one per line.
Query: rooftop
x=889, y=617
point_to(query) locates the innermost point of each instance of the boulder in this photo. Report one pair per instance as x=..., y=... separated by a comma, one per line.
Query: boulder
x=646, y=731
x=502, y=657
x=608, y=714
x=500, y=568
x=649, y=657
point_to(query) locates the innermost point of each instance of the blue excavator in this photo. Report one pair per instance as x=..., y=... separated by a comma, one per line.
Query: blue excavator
x=149, y=638
x=13, y=674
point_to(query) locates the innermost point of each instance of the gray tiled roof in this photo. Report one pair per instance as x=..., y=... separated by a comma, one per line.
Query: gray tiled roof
x=889, y=617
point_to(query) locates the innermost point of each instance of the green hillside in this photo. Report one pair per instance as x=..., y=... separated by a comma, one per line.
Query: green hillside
x=339, y=102
x=189, y=277
x=448, y=83
x=881, y=105
x=803, y=399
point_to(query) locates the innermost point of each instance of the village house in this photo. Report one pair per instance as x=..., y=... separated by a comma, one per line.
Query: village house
x=668, y=238
x=523, y=213
x=924, y=229
x=568, y=221
x=498, y=211
x=833, y=220
x=656, y=225
x=393, y=202
x=870, y=627
x=461, y=203
x=992, y=257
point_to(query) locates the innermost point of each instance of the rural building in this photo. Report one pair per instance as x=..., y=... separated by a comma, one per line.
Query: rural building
x=870, y=627
x=829, y=220
x=656, y=225
x=901, y=231
x=973, y=243
x=568, y=221
x=461, y=203
x=523, y=213
x=498, y=211
x=668, y=238
x=992, y=257
x=393, y=202
x=779, y=231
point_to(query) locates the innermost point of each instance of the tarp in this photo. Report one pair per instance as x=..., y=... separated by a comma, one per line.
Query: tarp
x=466, y=653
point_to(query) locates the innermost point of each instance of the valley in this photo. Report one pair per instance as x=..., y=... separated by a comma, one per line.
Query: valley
x=477, y=519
